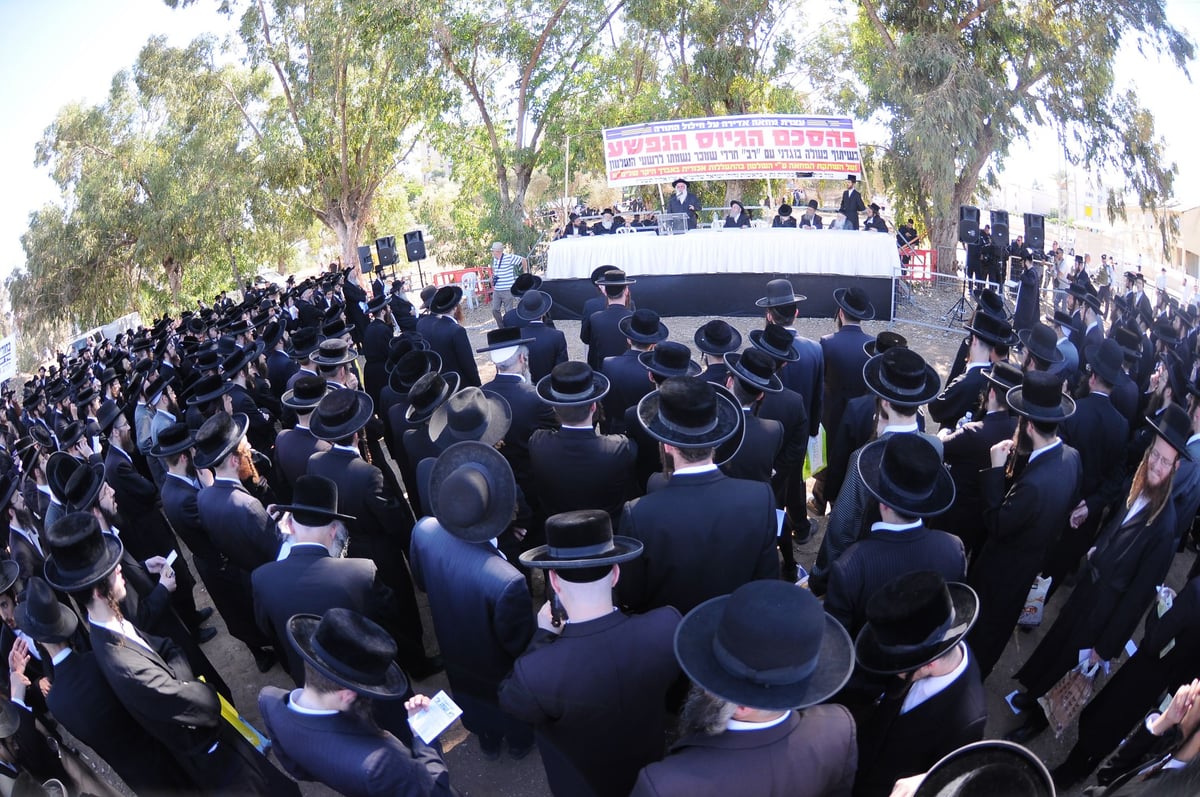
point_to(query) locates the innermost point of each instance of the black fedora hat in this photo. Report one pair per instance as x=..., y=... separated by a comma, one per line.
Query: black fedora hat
x=912, y=620
x=580, y=539
x=402, y=345
x=779, y=291
x=1164, y=332
x=524, y=283
x=75, y=483
x=411, y=367
x=207, y=388
x=340, y=414
x=1130, y=341
x=717, y=337
x=155, y=389
x=1106, y=360
x=504, y=338
x=333, y=352
x=768, y=645
x=905, y=472
x=445, y=299
x=430, y=392
x=812, y=203
x=990, y=302
x=755, y=369
x=377, y=303
x=1174, y=426
x=533, y=305
x=217, y=436
x=306, y=392
x=84, y=395
x=68, y=433
x=854, y=303
x=669, y=359
x=472, y=491
x=79, y=554
x=272, y=333
x=612, y=278
x=10, y=571
x=105, y=416
x=643, y=326
x=208, y=359
x=470, y=415
x=785, y=210
x=303, y=342
x=173, y=439
x=572, y=384
x=319, y=504
x=992, y=768
x=886, y=339
x=42, y=616
x=350, y=650
x=600, y=271
x=1039, y=397
x=991, y=330
x=1040, y=341
x=43, y=437
x=679, y=180
x=241, y=358
x=687, y=412
x=9, y=482
x=1003, y=374
x=1063, y=319
x=775, y=341
x=901, y=376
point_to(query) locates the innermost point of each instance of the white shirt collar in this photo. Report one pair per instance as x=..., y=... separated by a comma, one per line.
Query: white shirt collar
x=123, y=628
x=1037, y=452
x=1193, y=439
x=695, y=469
x=899, y=428
x=294, y=704
x=977, y=364
x=60, y=657
x=927, y=688
x=227, y=480
x=879, y=525
x=351, y=449
x=588, y=428
x=738, y=725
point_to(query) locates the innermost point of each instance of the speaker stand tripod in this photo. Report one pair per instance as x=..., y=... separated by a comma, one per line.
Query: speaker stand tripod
x=958, y=310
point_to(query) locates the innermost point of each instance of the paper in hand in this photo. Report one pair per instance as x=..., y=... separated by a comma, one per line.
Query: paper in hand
x=430, y=722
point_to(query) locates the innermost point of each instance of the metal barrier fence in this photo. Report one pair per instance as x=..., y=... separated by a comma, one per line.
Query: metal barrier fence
x=922, y=296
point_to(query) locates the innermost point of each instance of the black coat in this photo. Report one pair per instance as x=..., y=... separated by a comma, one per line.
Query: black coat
x=1022, y=522
x=629, y=382
x=806, y=376
x=529, y=413
x=144, y=530
x=892, y=745
x=788, y=408
x=810, y=754
x=704, y=534
x=967, y=452
x=958, y=398
x=238, y=525
x=755, y=458
x=580, y=469
x=280, y=368
x=1096, y=430
x=450, y=340
x=549, y=348
x=596, y=697
x=844, y=361
x=605, y=338
x=850, y=207
x=293, y=448
x=261, y=431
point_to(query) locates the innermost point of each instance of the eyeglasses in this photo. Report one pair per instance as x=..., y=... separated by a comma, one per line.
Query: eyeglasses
x=1158, y=459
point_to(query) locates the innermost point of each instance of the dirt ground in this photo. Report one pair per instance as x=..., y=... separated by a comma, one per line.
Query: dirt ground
x=472, y=775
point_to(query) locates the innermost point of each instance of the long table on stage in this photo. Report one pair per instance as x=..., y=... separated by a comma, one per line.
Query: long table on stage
x=722, y=272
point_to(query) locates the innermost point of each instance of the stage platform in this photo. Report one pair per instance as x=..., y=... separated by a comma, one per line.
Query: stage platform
x=722, y=272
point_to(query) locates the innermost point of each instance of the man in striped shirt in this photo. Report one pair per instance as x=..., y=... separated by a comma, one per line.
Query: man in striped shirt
x=505, y=269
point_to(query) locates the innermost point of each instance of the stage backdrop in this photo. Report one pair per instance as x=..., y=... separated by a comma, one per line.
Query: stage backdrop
x=732, y=148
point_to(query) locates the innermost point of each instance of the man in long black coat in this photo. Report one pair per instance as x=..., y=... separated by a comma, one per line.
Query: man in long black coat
x=604, y=335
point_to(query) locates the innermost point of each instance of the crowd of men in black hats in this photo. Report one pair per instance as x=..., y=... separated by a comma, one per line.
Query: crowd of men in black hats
x=659, y=487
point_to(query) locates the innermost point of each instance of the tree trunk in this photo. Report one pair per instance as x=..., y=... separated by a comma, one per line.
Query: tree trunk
x=943, y=236
x=348, y=231
x=233, y=264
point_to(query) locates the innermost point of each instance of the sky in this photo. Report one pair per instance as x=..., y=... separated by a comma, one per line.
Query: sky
x=53, y=52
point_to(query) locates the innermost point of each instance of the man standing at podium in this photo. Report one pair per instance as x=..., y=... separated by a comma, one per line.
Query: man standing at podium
x=684, y=202
x=852, y=203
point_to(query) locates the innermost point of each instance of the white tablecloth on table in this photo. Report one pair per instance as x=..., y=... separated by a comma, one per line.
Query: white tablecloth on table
x=733, y=251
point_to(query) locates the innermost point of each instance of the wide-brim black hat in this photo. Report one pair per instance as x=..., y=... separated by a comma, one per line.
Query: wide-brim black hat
x=713, y=667
x=758, y=339
x=10, y=571
x=306, y=632
x=887, y=339
x=306, y=403
x=653, y=361
x=1019, y=399
x=473, y=493
x=504, y=338
x=780, y=291
x=1107, y=359
x=76, y=483
x=717, y=337
x=1174, y=426
x=854, y=303
x=211, y=451
x=243, y=357
x=303, y=342
x=445, y=299
x=767, y=384
x=332, y=353
x=79, y=554
x=596, y=545
x=340, y=414
x=992, y=767
x=991, y=302
x=1003, y=375
x=534, y=304
x=711, y=433
x=1063, y=319
x=172, y=440
x=411, y=367
x=316, y=497
x=420, y=413
x=8, y=486
x=208, y=388
x=470, y=415
x=991, y=330
x=936, y=496
x=613, y=278
x=1037, y=343
x=876, y=657
x=883, y=378
x=42, y=616
x=572, y=384
x=644, y=336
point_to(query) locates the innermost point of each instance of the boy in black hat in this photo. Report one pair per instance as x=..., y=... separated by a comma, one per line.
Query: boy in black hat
x=596, y=657
x=324, y=731
x=601, y=331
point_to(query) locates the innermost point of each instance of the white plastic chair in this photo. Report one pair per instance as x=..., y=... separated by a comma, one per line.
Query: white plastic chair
x=470, y=289
x=758, y=224
x=623, y=230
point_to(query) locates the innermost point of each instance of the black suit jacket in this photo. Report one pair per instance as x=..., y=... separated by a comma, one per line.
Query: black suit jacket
x=529, y=413
x=310, y=581
x=580, y=469
x=958, y=398
x=806, y=376
x=605, y=338
x=293, y=448
x=755, y=458
x=1096, y=430
x=27, y=557
x=704, y=534
x=967, y=452
x=813, y=221
x=261, y=431
x=450, y=341
x=628, y=382
x=596, y=695
x=181, y=506
x=851, y=206
x=238, y=525
x=690, y=205
x=143, y=528
x=810, y=754
x=280, y=368
x=844, y=361
x=549, y=348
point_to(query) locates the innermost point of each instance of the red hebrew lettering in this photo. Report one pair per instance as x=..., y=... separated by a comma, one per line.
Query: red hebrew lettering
x=756, y=138
x=739, y=138
x=704, y=140
x=676, y=142
x=615, y=148
x=816, y=137
x=783, y=138
x=652, y=145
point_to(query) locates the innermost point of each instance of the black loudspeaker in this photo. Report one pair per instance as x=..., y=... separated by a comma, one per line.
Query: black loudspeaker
x=365, y=264
x=386, y=247
x=968, y=224
x=1000, y=228
x=414, y=246
x=1035, y=231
